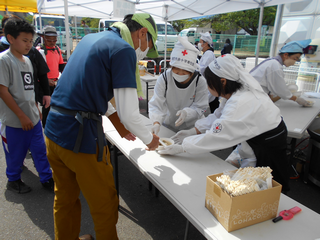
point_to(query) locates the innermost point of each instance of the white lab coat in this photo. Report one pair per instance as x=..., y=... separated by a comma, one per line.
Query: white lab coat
x=271, y=78
x=205, y=60
x=207, y=57
x=165, y=104
x=240, y=118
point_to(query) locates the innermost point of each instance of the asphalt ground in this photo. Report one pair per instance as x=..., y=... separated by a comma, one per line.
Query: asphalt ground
x=142, y=214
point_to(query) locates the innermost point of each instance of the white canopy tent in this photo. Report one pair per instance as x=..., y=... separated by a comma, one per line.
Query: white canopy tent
x=166, y=10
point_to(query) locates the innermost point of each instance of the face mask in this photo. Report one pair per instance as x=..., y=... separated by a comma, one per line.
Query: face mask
x=289, y=62
x=141, y=54
x=200, y=47
x=180, y=78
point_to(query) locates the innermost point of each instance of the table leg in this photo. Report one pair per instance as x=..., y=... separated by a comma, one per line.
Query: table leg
x=293, y=146
x=147, y=95
x=114, y=161
x=307, y=163
x=187, y=230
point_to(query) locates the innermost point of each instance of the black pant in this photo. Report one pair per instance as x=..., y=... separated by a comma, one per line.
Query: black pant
x=270, y=150
x=45, y=111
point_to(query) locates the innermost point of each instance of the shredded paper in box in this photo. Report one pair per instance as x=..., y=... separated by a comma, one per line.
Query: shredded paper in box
x=245, y=180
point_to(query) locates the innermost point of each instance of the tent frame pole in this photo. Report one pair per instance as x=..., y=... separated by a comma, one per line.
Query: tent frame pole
x=66, y=26
x=262, y=3
x=165, y=40
x=276, y=31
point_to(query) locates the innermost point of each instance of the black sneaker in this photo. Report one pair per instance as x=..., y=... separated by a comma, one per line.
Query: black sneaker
x=49, y=184
x=18, y=186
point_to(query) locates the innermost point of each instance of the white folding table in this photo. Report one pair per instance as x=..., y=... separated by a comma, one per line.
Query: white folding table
x=297, y=119
x=182, y=180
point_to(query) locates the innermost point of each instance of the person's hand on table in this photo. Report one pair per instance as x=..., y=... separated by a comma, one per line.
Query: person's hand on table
x=171, y=150
x=182, y=117
x=130, y=137
x=302, y=101
x=154, y=143
x=155, y=128
x=178, y=138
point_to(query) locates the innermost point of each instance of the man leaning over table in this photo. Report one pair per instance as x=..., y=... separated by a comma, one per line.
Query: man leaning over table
x=75, y=139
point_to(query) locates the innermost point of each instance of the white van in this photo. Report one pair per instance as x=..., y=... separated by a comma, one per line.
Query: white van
x=58, y=23
x=193, y=34
x=104, y=23
x=172, y=36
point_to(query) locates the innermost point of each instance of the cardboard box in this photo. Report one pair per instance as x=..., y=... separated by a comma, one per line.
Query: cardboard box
x=238, y=212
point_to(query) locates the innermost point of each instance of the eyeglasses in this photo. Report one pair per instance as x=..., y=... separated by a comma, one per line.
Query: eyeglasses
x=51, y=41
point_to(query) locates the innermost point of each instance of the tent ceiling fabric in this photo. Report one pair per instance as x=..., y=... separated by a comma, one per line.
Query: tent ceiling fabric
x=177, y=9
x=19, y=5
x=81, y=8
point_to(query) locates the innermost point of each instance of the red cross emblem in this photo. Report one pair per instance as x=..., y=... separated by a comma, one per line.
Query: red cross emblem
x=184, y=52
x=217, y=128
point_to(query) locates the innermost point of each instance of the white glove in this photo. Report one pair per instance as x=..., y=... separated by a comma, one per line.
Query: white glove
x=302, y=101
x=178, y=138
x=172, y=150
x=155, y=128
x=182, y=118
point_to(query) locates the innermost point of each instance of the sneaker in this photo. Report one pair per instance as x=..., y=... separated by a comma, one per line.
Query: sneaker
x=86, y=237
x=49, y=185
x=18, y=186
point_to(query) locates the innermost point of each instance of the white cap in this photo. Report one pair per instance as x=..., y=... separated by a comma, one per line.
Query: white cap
x=229, y=67
x=184, y=55
x=206, y=37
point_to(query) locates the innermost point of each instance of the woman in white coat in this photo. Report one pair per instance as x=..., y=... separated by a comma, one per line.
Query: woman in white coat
x=246, y=114
x=208, y=56
x=180, y=94
x=269, y=73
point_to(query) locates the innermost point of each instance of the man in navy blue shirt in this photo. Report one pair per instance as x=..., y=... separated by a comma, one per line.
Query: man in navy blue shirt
x=103, y=66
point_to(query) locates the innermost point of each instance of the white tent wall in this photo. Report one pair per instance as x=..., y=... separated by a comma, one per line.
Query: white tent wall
x=160, y=9
x=300, y=21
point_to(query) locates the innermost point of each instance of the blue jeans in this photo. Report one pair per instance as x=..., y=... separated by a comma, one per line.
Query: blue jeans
x=16, y=143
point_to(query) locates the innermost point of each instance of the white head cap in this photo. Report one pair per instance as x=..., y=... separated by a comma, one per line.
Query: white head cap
x=206, y=37
x=184, y=55
x=229, y=67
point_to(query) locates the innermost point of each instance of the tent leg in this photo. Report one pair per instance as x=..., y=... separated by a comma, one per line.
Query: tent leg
x=259, y=31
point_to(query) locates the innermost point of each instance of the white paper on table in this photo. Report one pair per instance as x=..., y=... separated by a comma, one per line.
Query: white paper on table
x=312, y=94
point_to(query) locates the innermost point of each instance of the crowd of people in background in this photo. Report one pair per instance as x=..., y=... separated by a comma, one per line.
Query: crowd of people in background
x=75, y=96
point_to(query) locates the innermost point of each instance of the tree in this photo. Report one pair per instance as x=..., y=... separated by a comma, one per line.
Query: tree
x=179, y=25
x=91, y=22
x=248, y=20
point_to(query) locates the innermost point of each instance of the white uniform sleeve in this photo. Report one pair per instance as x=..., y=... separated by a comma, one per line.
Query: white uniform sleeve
x=236, y=124
x=224, y=133
x=205, y=60
x=111, y=109
x=200, y=103
x=277, y=85
x=128, y=111
x=205, y=124
x=158, y=104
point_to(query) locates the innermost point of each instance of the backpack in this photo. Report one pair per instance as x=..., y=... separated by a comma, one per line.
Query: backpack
x=43, y=47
